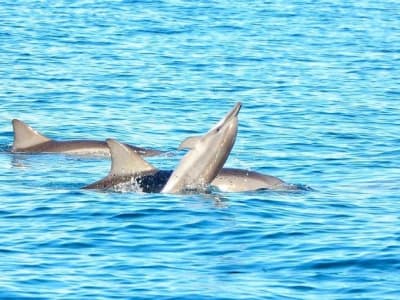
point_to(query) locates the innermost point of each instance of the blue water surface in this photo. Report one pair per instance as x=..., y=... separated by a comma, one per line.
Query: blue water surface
x=320, y=87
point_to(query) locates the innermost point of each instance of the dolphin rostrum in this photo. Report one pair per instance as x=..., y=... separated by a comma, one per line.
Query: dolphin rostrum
x=206, y=157
x=28, y=140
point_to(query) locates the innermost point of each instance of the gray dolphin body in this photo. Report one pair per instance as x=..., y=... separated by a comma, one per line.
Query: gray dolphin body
x=201, y=164
x=130, y=172
x=27, y=140
x=239, y=180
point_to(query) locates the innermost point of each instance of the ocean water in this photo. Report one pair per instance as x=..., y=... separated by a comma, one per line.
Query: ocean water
x=320, y=87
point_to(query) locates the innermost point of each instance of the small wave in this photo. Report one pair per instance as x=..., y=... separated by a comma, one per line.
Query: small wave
x=125, y=187
x=4, y=148
x=379, y=263
x=76, y=245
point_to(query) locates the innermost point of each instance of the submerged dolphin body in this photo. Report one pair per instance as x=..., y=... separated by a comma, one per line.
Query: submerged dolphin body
x=206, y=157
x=130, y=172
x=28, y=140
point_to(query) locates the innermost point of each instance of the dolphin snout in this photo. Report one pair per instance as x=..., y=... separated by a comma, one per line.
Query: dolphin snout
x=237, y=108
x=234, y=112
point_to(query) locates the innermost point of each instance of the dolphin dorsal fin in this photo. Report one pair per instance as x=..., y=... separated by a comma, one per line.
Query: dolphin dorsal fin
x=25, y=136
x=125, y=161
x=189, y=143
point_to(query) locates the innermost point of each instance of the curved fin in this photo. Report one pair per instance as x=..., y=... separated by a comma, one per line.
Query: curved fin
x=25, y=136
x=189, y=143
x=125, y=161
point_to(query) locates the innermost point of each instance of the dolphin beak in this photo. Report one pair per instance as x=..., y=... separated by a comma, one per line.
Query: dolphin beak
x=229, y=116
x=234, y=112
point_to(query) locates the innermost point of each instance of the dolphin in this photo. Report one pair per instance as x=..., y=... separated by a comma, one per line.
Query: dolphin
x=28, y=140
x=240, y=180
x=130, y=172
x=205, y=159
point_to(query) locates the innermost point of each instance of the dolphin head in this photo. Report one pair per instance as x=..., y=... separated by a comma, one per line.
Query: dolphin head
x=207, y=155
x=224, y=133
x=217, y=143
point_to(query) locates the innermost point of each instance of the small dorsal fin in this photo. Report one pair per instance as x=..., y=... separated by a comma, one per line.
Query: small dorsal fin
x=189, y=143
x=125, y=161
x=25, y=136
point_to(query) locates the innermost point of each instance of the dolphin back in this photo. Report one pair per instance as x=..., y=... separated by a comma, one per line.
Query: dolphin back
x=25, y=137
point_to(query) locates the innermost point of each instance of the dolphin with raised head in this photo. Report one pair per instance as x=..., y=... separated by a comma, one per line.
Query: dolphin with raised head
x=28, y=140
x=130, y=172
x=195, y=171
x=207, y=155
